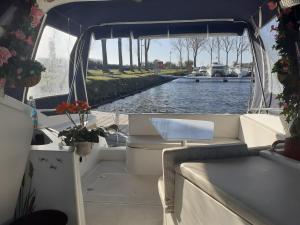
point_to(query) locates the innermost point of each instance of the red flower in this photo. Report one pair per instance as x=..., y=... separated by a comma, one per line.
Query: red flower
x=82, y=106
x=272, y=5
x=72, y=108
x=62, y=108
x=77, y=107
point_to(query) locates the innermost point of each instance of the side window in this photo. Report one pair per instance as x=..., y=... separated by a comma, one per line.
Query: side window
x=54, y=52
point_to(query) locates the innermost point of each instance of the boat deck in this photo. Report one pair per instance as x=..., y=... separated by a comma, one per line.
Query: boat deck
x=114, y=197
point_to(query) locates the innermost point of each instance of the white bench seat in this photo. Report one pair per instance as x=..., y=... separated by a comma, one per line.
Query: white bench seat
x=259, y=190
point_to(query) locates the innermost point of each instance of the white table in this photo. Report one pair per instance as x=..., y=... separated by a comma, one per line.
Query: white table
x=183, y=130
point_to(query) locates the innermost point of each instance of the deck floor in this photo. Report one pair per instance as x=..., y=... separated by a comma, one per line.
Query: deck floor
x=114, y=197
x=106, y=119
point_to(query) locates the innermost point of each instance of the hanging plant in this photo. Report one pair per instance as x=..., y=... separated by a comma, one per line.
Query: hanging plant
x=287, y=69
x=16, y=45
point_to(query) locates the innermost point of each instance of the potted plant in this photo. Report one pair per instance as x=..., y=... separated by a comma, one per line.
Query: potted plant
x=17, y=68
x=287, y=70
x=79, y=136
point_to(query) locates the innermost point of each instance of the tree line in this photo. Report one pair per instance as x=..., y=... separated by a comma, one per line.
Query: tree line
x=143, y=47
x=191, y=46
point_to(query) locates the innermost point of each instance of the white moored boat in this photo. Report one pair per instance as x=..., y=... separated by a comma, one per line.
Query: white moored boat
x=176, y=169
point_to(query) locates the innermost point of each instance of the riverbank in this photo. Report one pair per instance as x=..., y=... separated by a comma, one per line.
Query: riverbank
x=106, y=88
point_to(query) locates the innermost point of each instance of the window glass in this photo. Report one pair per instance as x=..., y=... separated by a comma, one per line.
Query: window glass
x=213, y=74
x=54, y=52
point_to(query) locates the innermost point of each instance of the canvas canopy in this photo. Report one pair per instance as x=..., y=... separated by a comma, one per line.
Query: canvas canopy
x=140, y=18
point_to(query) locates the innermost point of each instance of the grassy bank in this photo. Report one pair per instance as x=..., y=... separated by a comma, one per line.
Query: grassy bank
x=107, y=87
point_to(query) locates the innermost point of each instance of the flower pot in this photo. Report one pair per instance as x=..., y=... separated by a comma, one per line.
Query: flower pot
x=28, y=81
x=292, y=148
x=83, y=148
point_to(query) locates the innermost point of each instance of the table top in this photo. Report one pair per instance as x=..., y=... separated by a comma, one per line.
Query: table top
x=183, y=129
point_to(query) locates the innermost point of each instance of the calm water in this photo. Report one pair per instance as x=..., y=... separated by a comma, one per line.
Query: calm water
x=186, y=96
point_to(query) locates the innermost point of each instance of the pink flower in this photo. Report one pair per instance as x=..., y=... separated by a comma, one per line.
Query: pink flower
x=29, y=40
x=19, y=70
x=19, y=35
x=2, y=82
x=36, y=15
x=285, y=106
x=5, y=55
x=13, y=52
x=290, y=25
x=272, y=5
x=286, y=11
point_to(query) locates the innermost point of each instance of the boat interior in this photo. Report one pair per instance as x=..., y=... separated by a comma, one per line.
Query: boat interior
x=234, y=178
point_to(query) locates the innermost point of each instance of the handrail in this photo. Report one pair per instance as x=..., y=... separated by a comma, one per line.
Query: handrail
x=274, y=145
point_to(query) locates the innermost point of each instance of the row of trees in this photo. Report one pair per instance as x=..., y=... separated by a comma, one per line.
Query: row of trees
x=192, y=46
x=212, y=45
x=141, y=44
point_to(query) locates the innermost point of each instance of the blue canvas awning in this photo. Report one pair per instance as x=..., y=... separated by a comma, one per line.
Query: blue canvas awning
x=166, y=29
x=78, y=16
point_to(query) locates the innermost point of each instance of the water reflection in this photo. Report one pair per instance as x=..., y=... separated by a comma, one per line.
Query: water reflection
x=186, y=96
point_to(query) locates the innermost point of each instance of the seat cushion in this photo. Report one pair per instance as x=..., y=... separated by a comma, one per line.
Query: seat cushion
x=258, y=189
x=156, y=142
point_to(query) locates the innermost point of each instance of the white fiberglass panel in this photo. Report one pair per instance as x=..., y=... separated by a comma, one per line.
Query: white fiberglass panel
x=54, y=52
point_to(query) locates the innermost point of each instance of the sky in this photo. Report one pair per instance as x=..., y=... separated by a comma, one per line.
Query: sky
x=159, y=49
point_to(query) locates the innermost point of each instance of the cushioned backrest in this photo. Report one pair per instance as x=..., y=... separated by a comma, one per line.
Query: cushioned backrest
x=226, y=126
x=257, y=134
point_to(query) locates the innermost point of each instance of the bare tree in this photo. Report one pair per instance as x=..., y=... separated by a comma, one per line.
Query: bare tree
x=244, y=47
x=104, y=55
x=196, y=45
x=178, y=45
x=139, y=53
x=187, y=45
x=240, y=46
x=130, y=53
x=218, y=43
x=210, y=47
x=120, y=54
x=227, y=44
x=147, y=46
x=237, y=48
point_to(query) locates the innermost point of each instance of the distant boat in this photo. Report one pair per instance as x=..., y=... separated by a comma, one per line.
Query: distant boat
x=217, y=70
x=237, y=71
x=199, y=71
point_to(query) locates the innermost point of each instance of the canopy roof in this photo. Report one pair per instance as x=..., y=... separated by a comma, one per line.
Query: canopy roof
x=86, y=14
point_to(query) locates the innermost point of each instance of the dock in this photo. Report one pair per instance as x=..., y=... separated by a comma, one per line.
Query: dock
x=106, y=119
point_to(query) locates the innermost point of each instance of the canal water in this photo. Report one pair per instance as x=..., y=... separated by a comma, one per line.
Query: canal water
x=186, y=96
